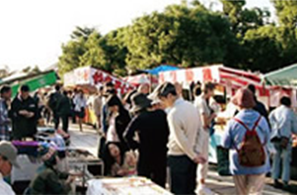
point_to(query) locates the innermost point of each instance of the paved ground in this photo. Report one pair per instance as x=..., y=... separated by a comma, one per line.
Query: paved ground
x=88, y=139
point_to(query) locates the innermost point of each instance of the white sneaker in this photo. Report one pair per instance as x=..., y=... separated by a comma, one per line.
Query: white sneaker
x=203, y=190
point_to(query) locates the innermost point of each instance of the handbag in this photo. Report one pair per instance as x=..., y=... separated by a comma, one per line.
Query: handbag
x=284, y=141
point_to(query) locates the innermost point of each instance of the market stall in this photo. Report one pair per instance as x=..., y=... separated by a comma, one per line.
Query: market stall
x=283, y=82
x=90, y=79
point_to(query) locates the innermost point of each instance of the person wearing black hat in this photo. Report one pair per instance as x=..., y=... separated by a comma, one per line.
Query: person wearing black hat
x=24, y=115
x=153, y=131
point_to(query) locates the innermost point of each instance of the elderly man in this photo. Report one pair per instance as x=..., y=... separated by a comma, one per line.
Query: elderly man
x=8, y=155
x=184, y=125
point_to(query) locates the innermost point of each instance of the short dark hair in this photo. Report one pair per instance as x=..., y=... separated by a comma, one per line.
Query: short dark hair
x=208, y=86
x=25, y=88
x=5, y=89
x=165, y=89
x=113, y=100
x=286, y=101
x=252, y=88
x=109, y=84
x=110, y=92
x=197, y=90
x=57, y=87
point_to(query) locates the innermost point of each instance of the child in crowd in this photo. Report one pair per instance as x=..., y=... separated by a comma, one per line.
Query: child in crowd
x=123, y=165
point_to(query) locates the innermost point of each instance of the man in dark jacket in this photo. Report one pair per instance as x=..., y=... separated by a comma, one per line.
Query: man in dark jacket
x=153, y=131
x=24, y=115
x=53, y=104
x=63, y=110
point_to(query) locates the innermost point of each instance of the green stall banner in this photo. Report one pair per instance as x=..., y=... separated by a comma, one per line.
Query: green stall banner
x=36, y=82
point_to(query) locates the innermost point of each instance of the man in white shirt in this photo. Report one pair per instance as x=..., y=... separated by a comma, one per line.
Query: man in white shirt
x=184, y=124
x=202, y=103
x=8, y=156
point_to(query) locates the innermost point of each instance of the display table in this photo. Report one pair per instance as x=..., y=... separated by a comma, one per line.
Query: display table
x=124, y=186
x=84, y=162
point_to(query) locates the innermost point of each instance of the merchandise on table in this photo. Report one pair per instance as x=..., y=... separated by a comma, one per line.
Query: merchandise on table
x=125, y=186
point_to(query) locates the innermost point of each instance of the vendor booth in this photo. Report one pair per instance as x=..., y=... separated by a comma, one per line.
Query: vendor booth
x=89, y=79
x=283, y=83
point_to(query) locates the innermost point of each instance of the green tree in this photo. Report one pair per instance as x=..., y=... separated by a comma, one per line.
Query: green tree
x=182, y=34
x=286, y=11
x=74, y=50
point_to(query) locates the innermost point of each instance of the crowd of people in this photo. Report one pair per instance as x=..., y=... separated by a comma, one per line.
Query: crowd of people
x=165, y=130
x=145, y=133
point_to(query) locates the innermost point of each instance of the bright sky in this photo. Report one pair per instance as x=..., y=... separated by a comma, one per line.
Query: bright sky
x=32, y=31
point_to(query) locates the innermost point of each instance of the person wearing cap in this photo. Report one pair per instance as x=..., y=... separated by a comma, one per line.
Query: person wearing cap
x=24, y=115
x=184, y=126
x=248, y=180
x=5, y=93
x=8, y=158
x=153, y=131
x=48, y=179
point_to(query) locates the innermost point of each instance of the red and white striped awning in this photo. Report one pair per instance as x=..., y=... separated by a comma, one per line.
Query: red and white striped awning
x=220, y=74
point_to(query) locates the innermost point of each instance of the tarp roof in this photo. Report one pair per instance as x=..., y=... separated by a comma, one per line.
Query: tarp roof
x=161, y=68
x=283, y=77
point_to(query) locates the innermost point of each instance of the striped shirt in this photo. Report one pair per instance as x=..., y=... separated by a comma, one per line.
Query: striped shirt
x=4, y=120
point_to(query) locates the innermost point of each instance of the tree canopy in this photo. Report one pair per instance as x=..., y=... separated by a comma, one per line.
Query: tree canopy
x=189, y=35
